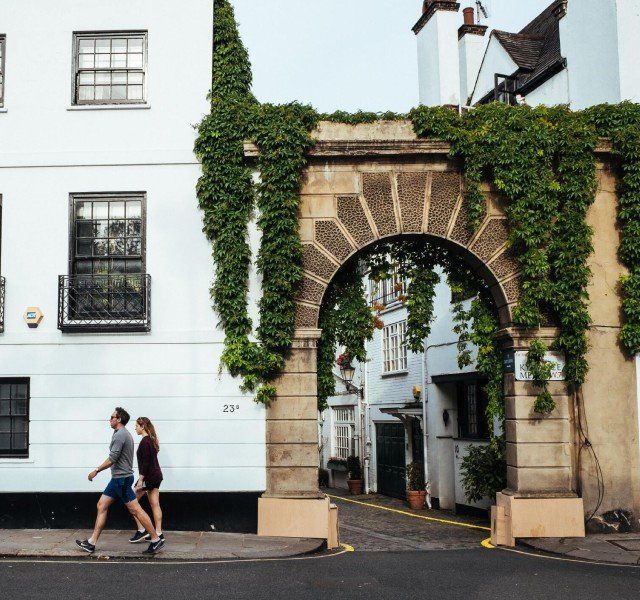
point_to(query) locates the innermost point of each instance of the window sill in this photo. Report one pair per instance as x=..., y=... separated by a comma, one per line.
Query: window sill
x=3, y=110
x=109, y=107
x=10, y=460
x=395, y=373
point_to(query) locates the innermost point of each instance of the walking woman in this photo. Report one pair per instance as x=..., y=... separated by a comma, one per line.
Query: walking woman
x=150, y=476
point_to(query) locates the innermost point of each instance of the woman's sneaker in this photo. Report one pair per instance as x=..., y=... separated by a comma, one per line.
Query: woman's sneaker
x=139, y=536
x=86, y=546
x=154, y=547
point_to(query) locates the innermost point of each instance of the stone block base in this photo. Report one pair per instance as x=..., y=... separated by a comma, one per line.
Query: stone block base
x=515, y=517
x=296, y=517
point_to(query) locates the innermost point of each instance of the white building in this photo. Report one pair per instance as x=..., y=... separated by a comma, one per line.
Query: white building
x=101, y=232
x=577, y=52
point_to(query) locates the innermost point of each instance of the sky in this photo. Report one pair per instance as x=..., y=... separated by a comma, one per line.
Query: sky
x=347, y=54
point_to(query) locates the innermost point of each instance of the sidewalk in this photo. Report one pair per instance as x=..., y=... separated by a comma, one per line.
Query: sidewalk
x=181, y=545
x=618, y=548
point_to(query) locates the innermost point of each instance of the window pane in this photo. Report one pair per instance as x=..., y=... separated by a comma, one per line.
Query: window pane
x=134, y=209
x=101, y=267
x=101, y=229
x=100, y=247
x=85, y=93
x=134, y=266
x=100, y=210
x=133, y=246
x=84, y=228
x=118, y=61
x=83, y=210
x=135, y=44
x=5, y=441
x=116, y=247
x=4, y=407
x=86, y=61
x=19, y=391
x=135, y=78
x=83, y=247
x=20, y=424
x=135, y=92
x=118, y=265
x=134, y=228
x=103, y=77
x=116, y=210
x=119, y=92
x=134, y=61
x=19, y=441
x=116, y=229
x=102, y=92
x=103, y=61
x=86, y=46
x=119, y=77
x=5, y=424
x=103, y=45
x=119, y=45
x=84, y=267
x=87, y=78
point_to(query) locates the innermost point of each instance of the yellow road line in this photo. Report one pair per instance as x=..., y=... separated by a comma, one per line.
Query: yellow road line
x=487, y=543
x=348, y=548
x=404, y=512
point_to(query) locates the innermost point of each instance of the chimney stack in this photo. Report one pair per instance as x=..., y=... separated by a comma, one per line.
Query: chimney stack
x=471, y=47
x=438, y=56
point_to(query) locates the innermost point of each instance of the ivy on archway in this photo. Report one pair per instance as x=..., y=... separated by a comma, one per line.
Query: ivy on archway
x=541, y=160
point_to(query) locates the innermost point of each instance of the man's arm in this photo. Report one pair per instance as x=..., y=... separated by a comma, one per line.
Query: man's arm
x=105, y=465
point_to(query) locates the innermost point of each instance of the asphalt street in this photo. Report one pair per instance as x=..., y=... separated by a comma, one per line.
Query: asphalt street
x=451, y=574
x=398, y=554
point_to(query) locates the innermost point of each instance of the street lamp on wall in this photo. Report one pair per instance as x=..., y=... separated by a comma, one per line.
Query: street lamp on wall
x=347, y=372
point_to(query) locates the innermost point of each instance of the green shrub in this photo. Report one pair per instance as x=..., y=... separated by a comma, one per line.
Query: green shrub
x=354, y=467
x=484, y=470
x=415, y=476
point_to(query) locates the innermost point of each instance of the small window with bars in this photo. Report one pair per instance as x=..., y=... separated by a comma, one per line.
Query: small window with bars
x=394, y=347
x=472, y=407
x=110, y=67
x=389, y=290
x=3, y=50
x=14, y=417
x=343, y=425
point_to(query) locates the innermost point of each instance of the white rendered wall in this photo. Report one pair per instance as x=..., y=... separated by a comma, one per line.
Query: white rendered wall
x=552, y=92
x=589, y=42
x=629, y=48
x=496, y=60
x=47, y=152
x=471, y=48
x=438, y=63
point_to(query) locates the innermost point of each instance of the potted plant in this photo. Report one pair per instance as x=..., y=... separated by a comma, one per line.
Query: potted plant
x=337, y=464
x=416, y=492
x=354, y=481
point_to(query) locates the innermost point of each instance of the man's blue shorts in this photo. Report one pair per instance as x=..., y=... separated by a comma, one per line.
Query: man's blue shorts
x=121, y=488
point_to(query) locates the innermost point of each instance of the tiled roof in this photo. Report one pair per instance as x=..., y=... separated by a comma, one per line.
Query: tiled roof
x=535, y=48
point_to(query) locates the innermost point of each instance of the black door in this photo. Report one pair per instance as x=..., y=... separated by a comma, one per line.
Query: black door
x=390, y=455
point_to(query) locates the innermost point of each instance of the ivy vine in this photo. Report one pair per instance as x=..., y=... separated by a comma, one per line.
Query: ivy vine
x=541, y=160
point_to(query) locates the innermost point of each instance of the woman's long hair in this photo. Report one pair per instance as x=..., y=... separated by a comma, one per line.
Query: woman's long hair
x=150, y=430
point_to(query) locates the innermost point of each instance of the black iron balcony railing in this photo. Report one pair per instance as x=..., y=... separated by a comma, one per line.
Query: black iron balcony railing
x=2, y=282
x=104, y=303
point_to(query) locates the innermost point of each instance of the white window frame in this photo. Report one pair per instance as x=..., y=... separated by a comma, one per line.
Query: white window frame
x=394, y=347
x=344, y=421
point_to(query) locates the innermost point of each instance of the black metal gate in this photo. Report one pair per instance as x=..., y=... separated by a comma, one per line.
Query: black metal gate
x=391, y=460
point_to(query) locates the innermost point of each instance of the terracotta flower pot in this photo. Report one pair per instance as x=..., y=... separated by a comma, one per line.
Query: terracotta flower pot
x=355, y=486
x=416, y=499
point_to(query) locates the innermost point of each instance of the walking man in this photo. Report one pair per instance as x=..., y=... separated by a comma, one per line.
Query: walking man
x=120, y=487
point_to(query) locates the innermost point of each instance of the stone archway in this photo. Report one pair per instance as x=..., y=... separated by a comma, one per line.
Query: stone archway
x=363, y=184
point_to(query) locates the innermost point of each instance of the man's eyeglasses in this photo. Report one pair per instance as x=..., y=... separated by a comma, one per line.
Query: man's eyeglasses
x=113, y=417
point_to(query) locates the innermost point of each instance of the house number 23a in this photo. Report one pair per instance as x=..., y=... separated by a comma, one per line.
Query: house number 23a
x=229, y=408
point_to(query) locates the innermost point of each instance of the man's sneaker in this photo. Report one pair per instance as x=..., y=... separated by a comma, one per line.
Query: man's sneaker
x=161, y=536
x=86, y=546
x=154, y=547
x=139, y=536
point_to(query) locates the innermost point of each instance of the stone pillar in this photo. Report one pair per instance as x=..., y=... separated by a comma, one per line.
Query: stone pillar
x=292, y=505
x=540, y=499
x=539, y=448
x=292, y=424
